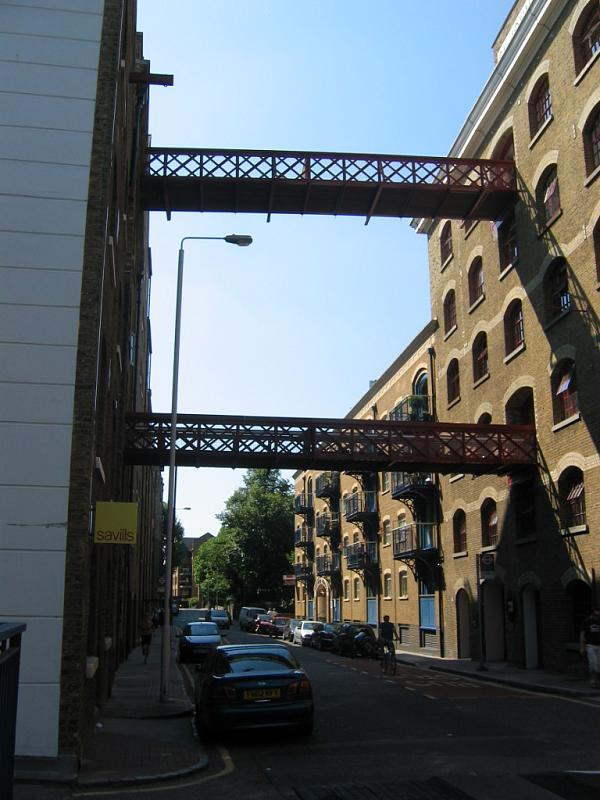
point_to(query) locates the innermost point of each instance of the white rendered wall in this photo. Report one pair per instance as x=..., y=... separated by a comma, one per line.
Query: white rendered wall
x=48, y=70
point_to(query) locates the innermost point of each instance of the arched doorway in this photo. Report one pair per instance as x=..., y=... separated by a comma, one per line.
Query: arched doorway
x=493, y=620
x=529, y=600
x=463, y=624
x=321, y=597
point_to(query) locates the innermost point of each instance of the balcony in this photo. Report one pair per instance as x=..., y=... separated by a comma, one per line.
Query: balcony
x=328, y=525
x=328, y=565
x=405, y=484
x=416, y=539
x=361, y=555
x=303, y=536
x=412, y=408
x=360, y=506
x=327, y=484
x=303, y=572
x=303, y=504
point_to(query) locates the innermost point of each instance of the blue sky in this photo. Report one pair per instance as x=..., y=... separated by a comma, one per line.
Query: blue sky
x=298, y=323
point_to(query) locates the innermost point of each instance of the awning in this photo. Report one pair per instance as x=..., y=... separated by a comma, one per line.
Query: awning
x=565, y=381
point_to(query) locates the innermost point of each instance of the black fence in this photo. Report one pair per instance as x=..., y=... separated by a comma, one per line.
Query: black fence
x=10, y=657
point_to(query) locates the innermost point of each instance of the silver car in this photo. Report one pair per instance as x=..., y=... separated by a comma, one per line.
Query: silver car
x=304, y=631
x=197, y=639
x=220, y=617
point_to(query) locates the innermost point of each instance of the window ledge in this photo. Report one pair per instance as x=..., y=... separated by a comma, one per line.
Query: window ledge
x=446, y=262
x=452, y=403
x=403, y=597
x=452, y=330
x=566, y=422
x=462, y=554
x=540, y=132
x=457, y=477
x=526, y=539
x=489, y=548
x=557, y=318
x=387, y=597
x=508, y=268
x=514, y=353
x=574, y=530
x=585, y=69
x=481, y=380
x=476, y=303
x=389, y=544
x=546, y=227
x=593, y=175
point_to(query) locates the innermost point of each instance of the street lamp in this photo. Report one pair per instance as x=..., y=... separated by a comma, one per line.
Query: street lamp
x=240, y=240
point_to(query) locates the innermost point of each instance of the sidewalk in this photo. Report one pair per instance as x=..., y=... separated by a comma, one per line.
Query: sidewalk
x=137, y=738
x=535, y=680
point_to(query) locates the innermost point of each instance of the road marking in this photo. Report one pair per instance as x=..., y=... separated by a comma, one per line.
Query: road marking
x=429, y=697
x=228, y=768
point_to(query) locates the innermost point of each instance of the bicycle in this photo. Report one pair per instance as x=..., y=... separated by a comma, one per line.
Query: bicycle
x=388, y=657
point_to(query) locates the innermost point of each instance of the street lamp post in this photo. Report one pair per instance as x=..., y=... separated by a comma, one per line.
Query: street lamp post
x=240, y=240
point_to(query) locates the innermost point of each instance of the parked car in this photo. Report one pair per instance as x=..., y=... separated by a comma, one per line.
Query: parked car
x=250, y=686
x=273, y=627
x=221, y=617
x=189, y=615
x=323, y=637
x=262, y=623
x=304, y=631
x=289, y=628
x=248, y=616
x=197, y=639
x=345, y=640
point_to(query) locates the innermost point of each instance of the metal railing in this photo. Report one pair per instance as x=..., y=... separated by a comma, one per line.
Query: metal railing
x=303, y=536
x=361, y=555
x=328, y=525
x=412, y=408
x=10, y=657
x=303, y=503
x=327, y=565
x=405, y=482
x=359, y=505
x=327, y=484
x=303, y=571
x=417, y=537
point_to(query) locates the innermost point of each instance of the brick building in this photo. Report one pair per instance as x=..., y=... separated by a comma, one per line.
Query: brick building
x=514, y=339
x=75, y=344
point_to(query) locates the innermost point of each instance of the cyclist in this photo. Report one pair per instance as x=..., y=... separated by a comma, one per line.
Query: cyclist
x=387, y=634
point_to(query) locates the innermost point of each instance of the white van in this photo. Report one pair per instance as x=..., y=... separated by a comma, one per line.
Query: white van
x=248, y=615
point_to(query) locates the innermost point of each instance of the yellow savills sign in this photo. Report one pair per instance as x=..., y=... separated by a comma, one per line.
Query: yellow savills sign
x=115, y=523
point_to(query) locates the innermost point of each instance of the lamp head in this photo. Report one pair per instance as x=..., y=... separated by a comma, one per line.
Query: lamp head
x=241, y=239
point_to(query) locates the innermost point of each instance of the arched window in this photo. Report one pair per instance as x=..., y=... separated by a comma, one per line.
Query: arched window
x=520, y=409
x=459, y=529
x=508, y=246
x=591, y=141
x=485, y=419
x=346, y=589
x=356, y=589
x=571, y=492
x=557, y=297
x=540, y=105
x=548, y=197
x=514, y=332
x=309, y=493
x=480, y=356
x=489, y=524
x=586, y=37
x=446, y=242
x=387, y=531
x=476, y=285
x=564, y=391
x=387, y=585
x=453, y=381
x=403, y=583
x=449, y=311
x=421, y=384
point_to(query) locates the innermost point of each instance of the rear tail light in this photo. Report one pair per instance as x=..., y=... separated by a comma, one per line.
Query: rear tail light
x=298, y=689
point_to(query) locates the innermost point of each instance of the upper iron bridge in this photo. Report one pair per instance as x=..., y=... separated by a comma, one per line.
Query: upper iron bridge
x=329, y=444
x=279, y=182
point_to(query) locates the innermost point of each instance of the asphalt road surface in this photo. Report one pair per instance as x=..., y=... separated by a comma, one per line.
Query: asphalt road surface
x=417, y=734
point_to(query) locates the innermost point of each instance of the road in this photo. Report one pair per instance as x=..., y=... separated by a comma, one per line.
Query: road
x=415, y=735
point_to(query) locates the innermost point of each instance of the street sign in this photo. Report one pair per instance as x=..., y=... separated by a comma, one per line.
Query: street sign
x=487, y=566
x=289, y=580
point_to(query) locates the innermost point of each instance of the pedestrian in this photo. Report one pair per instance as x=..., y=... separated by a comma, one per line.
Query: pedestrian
x=155, y=619
x=146, y=635
x=589, y=645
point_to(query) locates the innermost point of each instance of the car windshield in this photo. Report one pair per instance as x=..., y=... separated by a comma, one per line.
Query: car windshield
x=311, y=626
x=261, y=662
x=202, y=629
x=330, y=628
x=264, y=618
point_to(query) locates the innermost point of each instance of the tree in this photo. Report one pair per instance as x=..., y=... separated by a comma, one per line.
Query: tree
x=253, y=549
x=179, y=551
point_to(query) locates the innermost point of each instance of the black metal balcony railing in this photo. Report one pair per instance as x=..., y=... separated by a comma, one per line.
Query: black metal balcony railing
x=327, y=484
x=10, y=656
x=303, y=503
x=304, y=571
x=405, y=483
x=303, y=536
x=360, y=506
x=328, y=565
x=412, y=408
x=328, y=525
x=361, y=555
x=415, y=538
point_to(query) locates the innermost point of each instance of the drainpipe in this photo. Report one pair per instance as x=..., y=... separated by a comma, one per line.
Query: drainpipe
x=436, y=514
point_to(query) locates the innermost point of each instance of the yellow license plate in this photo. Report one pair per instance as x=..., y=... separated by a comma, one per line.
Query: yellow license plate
x=261, y=694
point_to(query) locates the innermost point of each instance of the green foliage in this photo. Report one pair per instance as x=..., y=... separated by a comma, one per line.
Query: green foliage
x=192, y=602
x=252, y=551
x=179, y=552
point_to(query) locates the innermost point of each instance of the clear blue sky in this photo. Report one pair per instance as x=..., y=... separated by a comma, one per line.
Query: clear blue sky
x=298, y=323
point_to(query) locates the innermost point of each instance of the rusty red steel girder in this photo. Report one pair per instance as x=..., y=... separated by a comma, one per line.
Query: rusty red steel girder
x=330, y=444
x=260, y=181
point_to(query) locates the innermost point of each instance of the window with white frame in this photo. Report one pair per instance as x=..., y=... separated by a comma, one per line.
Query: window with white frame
x=387, y=532
x=387, y=585
x=403, y=583
x=356, y=588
